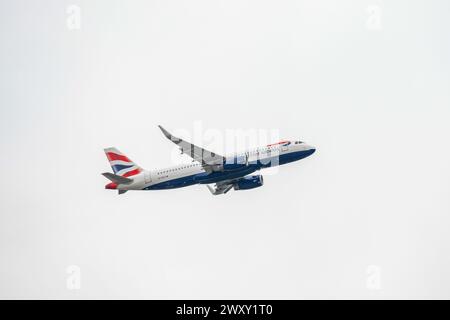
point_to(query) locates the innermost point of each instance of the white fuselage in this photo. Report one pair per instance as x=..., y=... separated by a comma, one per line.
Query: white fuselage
x=184, y=174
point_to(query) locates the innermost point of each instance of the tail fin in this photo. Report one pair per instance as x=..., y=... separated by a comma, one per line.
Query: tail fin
x=121, y=164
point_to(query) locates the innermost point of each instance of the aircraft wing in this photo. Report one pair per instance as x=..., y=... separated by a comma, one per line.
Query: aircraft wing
x=207, y=158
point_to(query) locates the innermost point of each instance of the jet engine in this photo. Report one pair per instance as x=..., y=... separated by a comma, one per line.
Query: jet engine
x=250, y=182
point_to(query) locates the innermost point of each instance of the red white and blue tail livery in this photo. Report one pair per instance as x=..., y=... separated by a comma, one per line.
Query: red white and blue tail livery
x=121, y=164
x=225, y=172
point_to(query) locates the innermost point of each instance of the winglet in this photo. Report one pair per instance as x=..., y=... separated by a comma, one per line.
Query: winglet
x=170, y=136
x=166, y=133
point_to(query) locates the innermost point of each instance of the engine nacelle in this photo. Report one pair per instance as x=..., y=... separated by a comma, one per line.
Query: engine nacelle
x=247, y=183
x=235, y=163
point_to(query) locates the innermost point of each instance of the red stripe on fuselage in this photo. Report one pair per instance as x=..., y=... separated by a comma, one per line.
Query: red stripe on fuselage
x=114, y=156
x=274, y=144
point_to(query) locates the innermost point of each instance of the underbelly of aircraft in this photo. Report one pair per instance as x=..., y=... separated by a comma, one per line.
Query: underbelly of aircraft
x=214, y=177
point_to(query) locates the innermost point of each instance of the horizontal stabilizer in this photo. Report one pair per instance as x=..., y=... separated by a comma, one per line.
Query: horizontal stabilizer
x=117, y=179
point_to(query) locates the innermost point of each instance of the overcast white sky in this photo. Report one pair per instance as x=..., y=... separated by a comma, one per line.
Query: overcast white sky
x=366, y=82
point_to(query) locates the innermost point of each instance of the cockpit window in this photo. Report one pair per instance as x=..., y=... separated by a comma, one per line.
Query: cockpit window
x=298, y=142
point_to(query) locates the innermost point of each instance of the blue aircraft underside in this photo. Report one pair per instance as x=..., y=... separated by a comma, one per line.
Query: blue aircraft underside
x=214, y=177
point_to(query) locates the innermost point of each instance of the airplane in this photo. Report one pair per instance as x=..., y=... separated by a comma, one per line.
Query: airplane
x=225, y=172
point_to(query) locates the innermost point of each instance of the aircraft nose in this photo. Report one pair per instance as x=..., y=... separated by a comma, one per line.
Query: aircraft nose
x=311, y=149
